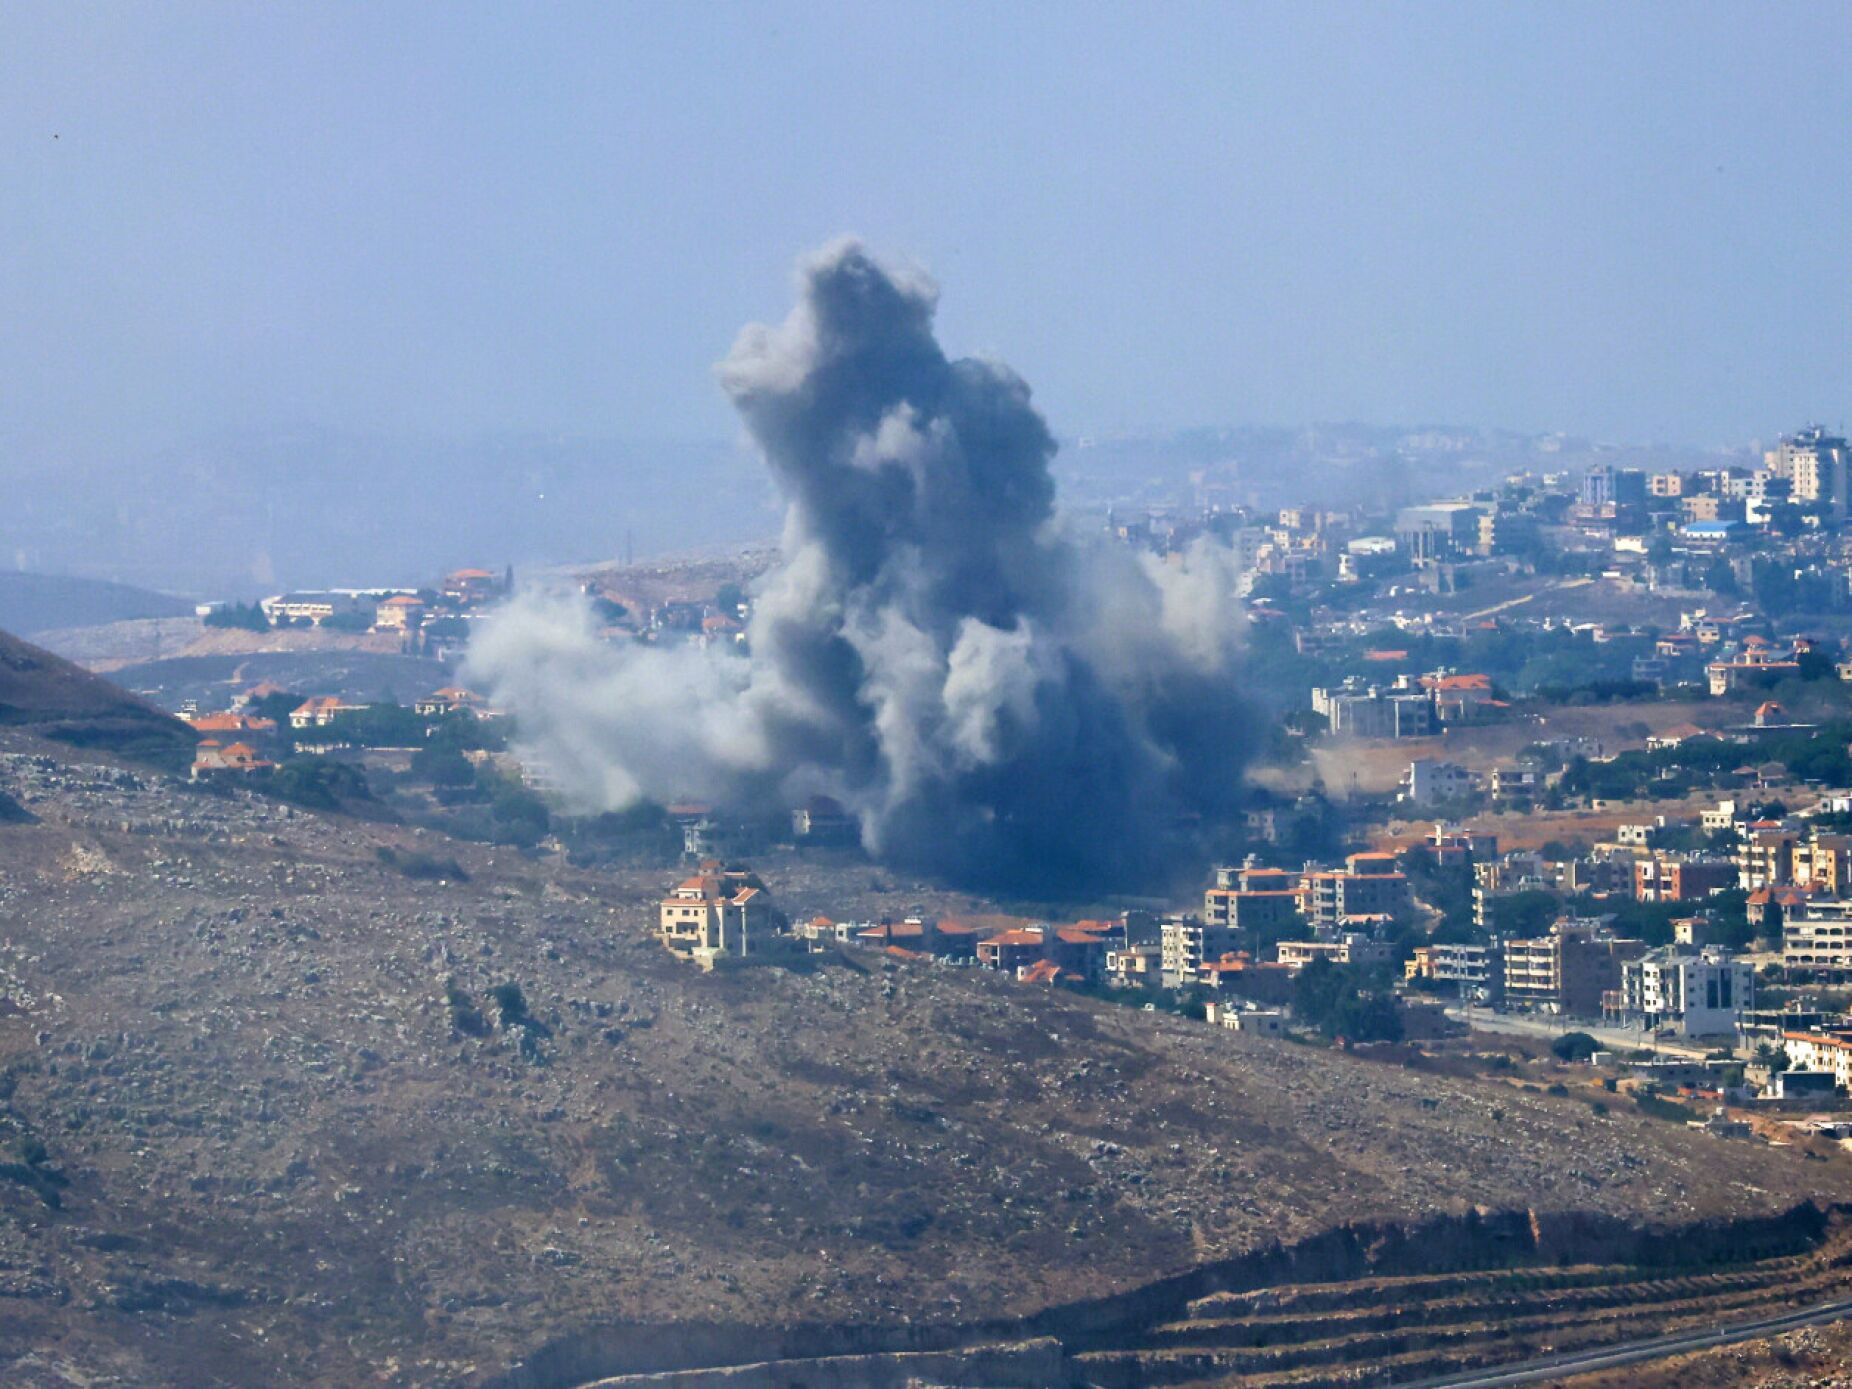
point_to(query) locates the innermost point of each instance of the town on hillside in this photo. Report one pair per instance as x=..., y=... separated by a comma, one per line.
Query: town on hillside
x=1568, y=757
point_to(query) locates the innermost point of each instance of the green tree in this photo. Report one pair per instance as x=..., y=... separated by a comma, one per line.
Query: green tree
x=1574, y=1046
x=244, y=616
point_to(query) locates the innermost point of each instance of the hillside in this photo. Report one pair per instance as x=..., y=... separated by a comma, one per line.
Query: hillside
x=271, y=1121
x=64, y=702
x=34, y=603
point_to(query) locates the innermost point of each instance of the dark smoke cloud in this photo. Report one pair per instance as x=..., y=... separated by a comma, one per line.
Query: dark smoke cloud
x=998, y=701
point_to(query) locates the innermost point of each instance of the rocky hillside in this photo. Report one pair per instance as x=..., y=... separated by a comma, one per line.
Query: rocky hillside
x=277, y=1107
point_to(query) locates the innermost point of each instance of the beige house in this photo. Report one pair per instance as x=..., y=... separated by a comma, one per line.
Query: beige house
x=401, y=613
x=721, y=912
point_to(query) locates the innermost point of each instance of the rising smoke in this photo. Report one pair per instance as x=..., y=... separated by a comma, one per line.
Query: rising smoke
x=998, y=701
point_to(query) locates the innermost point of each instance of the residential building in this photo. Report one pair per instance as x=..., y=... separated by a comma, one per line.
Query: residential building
x=1675, y=878
x=1697, y=995
x=213, y=758
x=315, y=607
x=1429, y=781
x=1259, y=915
x=1186, y=943
x=1815, y=465
x=1467, y=698
x=1369, y=886
x=720, y=911
x=1261, y=1022
x=1516, y=783
x=1351, y=948
x=1821, y=1051
x=1014, y=950
x=1824, y=863
x=403, y=612
x=821, y=821
x=1816, y=938
x=1244, y=977
x=1372, y=712
x=1566, y=972
x=1135, y=966
x=453, y=699
x=1475, y=971
x=1437, y=530
x=320, y=711
x=1765, y=855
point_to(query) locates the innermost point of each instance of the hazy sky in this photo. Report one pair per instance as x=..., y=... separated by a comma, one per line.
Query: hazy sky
x=1624, y=220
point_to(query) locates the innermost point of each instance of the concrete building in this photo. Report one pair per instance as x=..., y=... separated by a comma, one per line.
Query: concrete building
x=1566, y=972
x=1821, y=1051
x=1429, y=781
x=1673, y=878
x=1135, y=967
x=1351, y=948
x=1369, y=886
x=1476, y=972
x=1438, y=530
x=720, y=912
x=1376, y=713
x=1816, y=938
x=1765, y=855
x=1697, y=995
x=1262, y=914
x=1187, y=943
x=1814, y=463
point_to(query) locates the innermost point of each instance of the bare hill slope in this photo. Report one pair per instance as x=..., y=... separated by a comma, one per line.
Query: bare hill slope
x=272, y=1115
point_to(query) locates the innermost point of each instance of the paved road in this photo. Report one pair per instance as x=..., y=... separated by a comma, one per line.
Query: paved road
x=1484, y=1020
x=1579, y=1362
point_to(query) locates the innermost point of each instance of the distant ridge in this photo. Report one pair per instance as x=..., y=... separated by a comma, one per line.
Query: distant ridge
x=52, y=697
x=33, y=603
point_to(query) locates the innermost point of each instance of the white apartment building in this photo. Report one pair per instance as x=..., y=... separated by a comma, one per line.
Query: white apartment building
x=1699, y=995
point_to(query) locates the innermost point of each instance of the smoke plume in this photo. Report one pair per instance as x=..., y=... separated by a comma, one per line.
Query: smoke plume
x=997, y=701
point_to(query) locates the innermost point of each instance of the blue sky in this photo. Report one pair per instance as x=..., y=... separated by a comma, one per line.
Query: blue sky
x=1629, y=221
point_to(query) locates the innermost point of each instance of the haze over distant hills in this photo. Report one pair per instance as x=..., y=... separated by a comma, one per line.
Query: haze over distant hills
x=238, y=516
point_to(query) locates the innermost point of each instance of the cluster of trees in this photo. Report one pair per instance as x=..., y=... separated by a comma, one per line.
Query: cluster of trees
x=247, y=617
x=1330, y=999
x=1697, y=763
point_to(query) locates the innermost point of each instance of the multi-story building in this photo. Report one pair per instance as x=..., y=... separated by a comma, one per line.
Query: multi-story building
x=1674, y=878
x=1014, y=949
x=1815, y=465
x=1567, y=971
x=719, y=911
x=1429, y=781
x=1699, y=995
x=1186, y=943
x=1521, y=870
x=1369, y=886
x=1376, y=713
x=1765, y=855
x=1516, y=783
x=1477, y=971
x=1437, y=530
x=1816, y=937
x=1256, y=915
x=1351, y=948
x=1821, y=1051
x=1824, y=862
x=1135, y=966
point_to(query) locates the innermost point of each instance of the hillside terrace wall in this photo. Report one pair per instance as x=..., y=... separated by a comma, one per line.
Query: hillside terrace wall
x=713, y=1355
